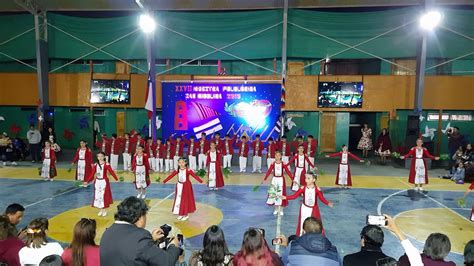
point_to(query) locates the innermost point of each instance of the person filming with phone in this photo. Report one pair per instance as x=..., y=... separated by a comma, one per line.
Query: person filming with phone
x=127, y=242
x=311, y=248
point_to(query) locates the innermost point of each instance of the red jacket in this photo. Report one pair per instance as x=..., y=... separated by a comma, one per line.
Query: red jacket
x=203, y=146
x=159, y=151
x=126, y=147
x=310, y=147
x=103, y=146
x=294, y=146
x=150, y=149
x=245, y=151
x=168, y=151
x=178, y=147
x=229, y=147
x=271, y=149
x=193, y=147
x=137, y=142
x=114, y=146
x=219, y=143
x=257, y=152
x=285, y=151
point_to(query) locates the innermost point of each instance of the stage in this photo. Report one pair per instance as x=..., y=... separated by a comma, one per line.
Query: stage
x=237, y=207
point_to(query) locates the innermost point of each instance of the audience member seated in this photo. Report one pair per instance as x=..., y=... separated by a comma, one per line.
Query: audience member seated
x=52, y=260
x=437, y=247
x=15, y=213
x=312, y=248
x=7, y=150
x=387, y=261
x=37, y=247
x=129, y=231
x=371, y=241
x=10, y=245
x=83, y=251
x=255, y=251
x=214, y=252
x=469, y=253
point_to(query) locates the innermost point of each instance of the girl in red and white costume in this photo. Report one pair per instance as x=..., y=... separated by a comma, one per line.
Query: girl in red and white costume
x=184, y=202
x=83, y=158
x=214, y=168
x=278, y=180
x=102, y=192
x=418, y=169
x=48, y=170
x=343, y=176
x=141, y=171
x=300, y=168
x=309, y=206
x=469, y=190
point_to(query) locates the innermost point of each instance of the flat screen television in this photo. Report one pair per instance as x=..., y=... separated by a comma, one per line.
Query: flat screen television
x=340, y=94
x=110, y=91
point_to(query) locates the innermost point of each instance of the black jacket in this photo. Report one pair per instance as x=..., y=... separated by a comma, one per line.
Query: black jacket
x=126, y=244
x=366, y=257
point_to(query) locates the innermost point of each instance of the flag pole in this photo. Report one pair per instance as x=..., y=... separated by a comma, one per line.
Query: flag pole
x=150, y=45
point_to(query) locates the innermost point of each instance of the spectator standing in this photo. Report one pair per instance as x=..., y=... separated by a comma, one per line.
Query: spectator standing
x=37, y=247
x=83, y=251
x=34, y=140
x=312, y=248
x=128, y=231
x=455, y=140
x=255, y=251
x=214, y=252
x=371, y=241
x=10, y=245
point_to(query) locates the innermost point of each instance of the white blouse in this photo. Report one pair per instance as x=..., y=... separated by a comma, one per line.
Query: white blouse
x=35, y=255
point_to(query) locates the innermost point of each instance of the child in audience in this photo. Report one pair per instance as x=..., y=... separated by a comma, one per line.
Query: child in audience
x=83, y=158
x=184, y=202
x=48, y=170
x=214, y=168
x=141, y=171
x=243, y=153
x=277, y=169
x=309, y=205
x=102, y=192
x=418, y=169
x=300, y=168
x=257, y=147
x=458, y=174
x=343, y=176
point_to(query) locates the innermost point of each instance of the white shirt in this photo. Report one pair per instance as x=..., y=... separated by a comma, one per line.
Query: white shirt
x=35, y=255
x=34, y=136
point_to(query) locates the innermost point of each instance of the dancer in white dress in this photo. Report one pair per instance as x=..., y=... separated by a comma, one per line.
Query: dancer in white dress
x=141, y=170
x=418, y=169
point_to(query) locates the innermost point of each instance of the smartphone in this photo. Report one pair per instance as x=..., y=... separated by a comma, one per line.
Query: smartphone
x=276, y=241
x=378, y=220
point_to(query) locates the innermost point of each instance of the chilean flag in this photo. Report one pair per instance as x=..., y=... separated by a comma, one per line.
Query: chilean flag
x=149, y=97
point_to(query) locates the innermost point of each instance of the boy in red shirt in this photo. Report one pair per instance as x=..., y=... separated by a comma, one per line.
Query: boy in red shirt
x=257, y=147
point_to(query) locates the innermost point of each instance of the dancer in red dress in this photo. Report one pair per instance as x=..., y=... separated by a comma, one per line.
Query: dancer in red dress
x=309, y=206
x=83, y=158
x=184, y=202
x=141, y=171
x=48, y=170
x=214, y=168
x=469, y=190
x=102, y=192
x=279, y=182
x=300, y=168
x=418, y=169
x=343, y=176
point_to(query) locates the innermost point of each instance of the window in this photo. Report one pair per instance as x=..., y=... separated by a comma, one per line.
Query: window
x=187, y=63
x=435, y=117
x=160, y=62
x=461, y=117
x=208, y=62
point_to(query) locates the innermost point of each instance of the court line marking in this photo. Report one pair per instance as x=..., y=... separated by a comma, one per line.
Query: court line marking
x=379, y=206
x=161, y=201
x=51, y=198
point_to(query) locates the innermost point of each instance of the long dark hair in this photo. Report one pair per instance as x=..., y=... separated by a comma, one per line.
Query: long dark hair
x=215, y=248
x=84, y=234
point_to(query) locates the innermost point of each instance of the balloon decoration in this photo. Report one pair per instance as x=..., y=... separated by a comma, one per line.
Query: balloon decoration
x=15, y=129
x=84, y=123
x=68, y=134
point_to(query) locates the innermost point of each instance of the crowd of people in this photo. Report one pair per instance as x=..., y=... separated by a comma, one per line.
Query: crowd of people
x=127, y=242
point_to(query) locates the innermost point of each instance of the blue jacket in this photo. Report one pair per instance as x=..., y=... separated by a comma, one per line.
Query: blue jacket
x=311, y=249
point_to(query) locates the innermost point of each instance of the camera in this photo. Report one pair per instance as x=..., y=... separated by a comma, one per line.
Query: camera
x=168, y=235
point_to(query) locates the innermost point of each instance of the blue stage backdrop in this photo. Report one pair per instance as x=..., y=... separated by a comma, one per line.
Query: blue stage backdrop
x=245, y=109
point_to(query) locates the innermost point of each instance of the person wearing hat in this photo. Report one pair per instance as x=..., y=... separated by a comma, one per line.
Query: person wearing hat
x=371, y=241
